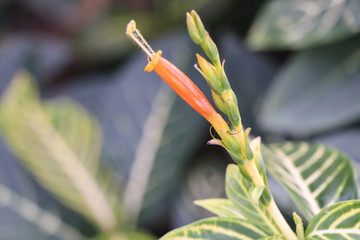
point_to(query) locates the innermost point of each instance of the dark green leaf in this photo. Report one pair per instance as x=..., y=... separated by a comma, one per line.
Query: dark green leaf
x=299, y=24
x=348, y=143
x=41, y=55
x=315, y=91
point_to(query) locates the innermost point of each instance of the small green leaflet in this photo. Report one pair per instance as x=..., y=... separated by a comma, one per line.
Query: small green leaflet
x=339, y=221
x=299, y=226
x=216, y=229
x=314, y=175
x=221, y=207
x=241, y=200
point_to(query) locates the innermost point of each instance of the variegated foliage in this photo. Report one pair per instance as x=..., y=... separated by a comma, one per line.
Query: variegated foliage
x=300, y=24
x=217, y=228
x=314, y=175
x=59, y=142
x=240, y=205
x=276, y=237
x=339, y=221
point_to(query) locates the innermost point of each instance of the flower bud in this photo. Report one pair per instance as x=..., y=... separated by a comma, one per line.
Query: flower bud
x=224, y=79
x=210, y=74
x=210, y=49
x=195, y=27
x=249, y=152
x=232, y=111
x=219, y=102
x=199, y=23
x=182, y=85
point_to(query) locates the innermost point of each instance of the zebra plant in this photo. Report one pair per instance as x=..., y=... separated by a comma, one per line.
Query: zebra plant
x=59, y=142
x=320, y=180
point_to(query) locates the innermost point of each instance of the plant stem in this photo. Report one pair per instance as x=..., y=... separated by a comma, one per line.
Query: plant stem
x=272, y=208
x=275, y=213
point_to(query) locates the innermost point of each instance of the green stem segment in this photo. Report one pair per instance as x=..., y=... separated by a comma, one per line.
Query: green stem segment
x=271, y=207
x=225, y=100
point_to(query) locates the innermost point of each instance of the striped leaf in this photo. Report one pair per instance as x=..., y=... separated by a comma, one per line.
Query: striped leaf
x=314, y=175
x=217, y=228
x=237, y=190
x=299, y=24
x=240, y=203
x=339, y=221
x=37, y=222
x=59, y=142
x=276, y=237
x=220, y=207
x=26, y=211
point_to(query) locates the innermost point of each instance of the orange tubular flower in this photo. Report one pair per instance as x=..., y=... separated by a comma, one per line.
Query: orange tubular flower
x=183, y=86
x=177, y=80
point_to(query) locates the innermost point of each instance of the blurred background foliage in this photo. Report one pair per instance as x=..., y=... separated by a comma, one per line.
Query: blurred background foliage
x=294, y=65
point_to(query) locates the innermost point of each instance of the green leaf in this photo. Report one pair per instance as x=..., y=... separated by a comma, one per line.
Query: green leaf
x=59, y=142
x=240, y=203
x=255, y=193
x=27, y=211
x=315, y=176
x=327, y=76
x=276, y=237
x=238, y=193
x=299, y=226
x=217, y=228
x=299, y=24
x=37, y=221
x=220, y=207
x=339, y=221
x=348, y=143
x=125, y=236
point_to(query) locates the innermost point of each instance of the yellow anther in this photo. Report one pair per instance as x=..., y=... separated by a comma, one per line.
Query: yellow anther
x=154, y=60
x=136, y=36
x=131, y=27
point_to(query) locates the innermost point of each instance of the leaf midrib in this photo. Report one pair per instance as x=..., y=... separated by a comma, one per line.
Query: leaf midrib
x=257, y=209
x=8, y=197
x=99, y=208
x=146, y=151
x=313, y=205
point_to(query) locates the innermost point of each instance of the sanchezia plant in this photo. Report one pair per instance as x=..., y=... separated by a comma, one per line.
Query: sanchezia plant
x=320, y=180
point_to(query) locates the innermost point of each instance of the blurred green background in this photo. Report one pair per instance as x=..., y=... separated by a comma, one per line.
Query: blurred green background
x=294, y=65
